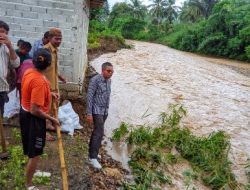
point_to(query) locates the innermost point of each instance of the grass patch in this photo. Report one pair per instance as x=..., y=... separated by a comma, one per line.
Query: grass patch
x=41, y=180
x=12, y=173
x=152, y=152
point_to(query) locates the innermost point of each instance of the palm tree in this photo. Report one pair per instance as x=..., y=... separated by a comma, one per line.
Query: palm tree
x=171, y=11
x=139, y=10
x=190, y=13
x=205, y=6
x=194, y=10
x=157, y=9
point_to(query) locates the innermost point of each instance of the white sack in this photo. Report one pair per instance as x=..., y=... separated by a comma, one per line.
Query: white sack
x=12, y=107
x=68, y=118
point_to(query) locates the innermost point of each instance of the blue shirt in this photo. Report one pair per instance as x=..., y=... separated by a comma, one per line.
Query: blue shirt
x=98, y=96
x=37, y=44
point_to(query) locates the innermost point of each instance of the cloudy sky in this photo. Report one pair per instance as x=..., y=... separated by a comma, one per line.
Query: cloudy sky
x=145, y=2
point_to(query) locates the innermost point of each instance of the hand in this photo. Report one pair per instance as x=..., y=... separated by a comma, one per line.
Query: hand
x=5, y=40
x=90, y=119
x=62, y=79
x=55, y=122
x=56, y=96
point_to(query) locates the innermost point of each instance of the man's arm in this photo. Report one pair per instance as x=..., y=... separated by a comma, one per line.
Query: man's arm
x=31, y=53
x=14, y=59
x=90, y=96
x=61, y=78
x=35, y=110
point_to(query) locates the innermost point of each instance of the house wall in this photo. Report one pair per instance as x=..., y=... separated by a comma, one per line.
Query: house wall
x=29, y=19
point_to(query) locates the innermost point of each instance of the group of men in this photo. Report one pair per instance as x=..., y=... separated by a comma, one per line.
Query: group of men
x=37, y=81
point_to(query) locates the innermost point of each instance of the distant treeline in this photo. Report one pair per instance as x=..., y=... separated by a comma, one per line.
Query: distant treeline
x=212, y=27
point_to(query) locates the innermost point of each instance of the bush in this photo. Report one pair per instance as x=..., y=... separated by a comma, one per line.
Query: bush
x=98, y=33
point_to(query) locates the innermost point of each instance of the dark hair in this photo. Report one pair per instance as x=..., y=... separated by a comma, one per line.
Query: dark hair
x=4, y=25
x=46, y=34
x=41, y=59
x=106, y=64
x=19, y=42
x=26, y=45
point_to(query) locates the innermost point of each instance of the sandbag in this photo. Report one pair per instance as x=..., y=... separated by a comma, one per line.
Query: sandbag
x=12, y=107
x=68, y=118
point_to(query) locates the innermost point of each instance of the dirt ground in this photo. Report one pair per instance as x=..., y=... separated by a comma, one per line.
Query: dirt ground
x=81, y=176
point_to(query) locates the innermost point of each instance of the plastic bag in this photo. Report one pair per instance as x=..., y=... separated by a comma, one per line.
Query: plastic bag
x=68, y=118
x=12, y=107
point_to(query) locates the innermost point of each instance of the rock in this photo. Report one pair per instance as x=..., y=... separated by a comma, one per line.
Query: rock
x=113, y=172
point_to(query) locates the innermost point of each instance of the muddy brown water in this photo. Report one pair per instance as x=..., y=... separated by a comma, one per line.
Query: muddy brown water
x=151, y=76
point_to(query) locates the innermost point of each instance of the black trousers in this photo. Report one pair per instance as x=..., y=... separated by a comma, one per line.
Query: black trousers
x=96, y=136
x=3, y=99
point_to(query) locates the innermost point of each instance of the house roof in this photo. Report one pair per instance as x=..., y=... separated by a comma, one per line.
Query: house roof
x=96, y=3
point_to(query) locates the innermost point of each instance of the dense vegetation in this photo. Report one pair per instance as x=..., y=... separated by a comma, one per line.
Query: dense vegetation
x=213, y=27
x=100, y=35
x=153, y=158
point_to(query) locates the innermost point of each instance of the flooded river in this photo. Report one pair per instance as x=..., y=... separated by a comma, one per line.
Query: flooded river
x=151, y=76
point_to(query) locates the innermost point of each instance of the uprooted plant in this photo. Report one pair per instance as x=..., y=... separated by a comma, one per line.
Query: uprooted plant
x=152, y=152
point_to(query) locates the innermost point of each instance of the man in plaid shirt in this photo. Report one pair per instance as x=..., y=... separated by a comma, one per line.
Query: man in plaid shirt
x=98, y=98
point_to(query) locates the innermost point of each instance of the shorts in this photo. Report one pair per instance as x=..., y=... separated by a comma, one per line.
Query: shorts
x=33, y=131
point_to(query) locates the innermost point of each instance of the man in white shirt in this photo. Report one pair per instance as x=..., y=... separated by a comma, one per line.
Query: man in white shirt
x=8, y=58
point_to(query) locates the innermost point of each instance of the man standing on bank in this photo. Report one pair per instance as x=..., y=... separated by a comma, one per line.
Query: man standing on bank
x=98, y=98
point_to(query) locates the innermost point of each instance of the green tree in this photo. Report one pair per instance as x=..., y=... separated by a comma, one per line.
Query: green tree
x=204, y=6
x=157, y=10
x=170, y=12
x=100, y=14
x=120, y=10
x=139, y=10
x=190, y=13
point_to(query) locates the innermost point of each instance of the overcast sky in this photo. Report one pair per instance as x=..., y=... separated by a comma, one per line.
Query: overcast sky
x=145, y=2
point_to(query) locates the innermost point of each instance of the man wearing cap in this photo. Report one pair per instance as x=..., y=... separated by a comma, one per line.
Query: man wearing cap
x=52, y=74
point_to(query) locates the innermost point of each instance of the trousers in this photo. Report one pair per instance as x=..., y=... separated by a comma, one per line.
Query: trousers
x=97, y=135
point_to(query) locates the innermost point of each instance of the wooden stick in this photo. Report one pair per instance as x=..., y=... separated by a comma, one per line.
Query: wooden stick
x=3, y=142
x=61, y=151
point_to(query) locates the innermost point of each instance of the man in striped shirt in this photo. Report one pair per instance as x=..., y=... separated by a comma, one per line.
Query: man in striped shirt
x=97, y=109
x=8, y=58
